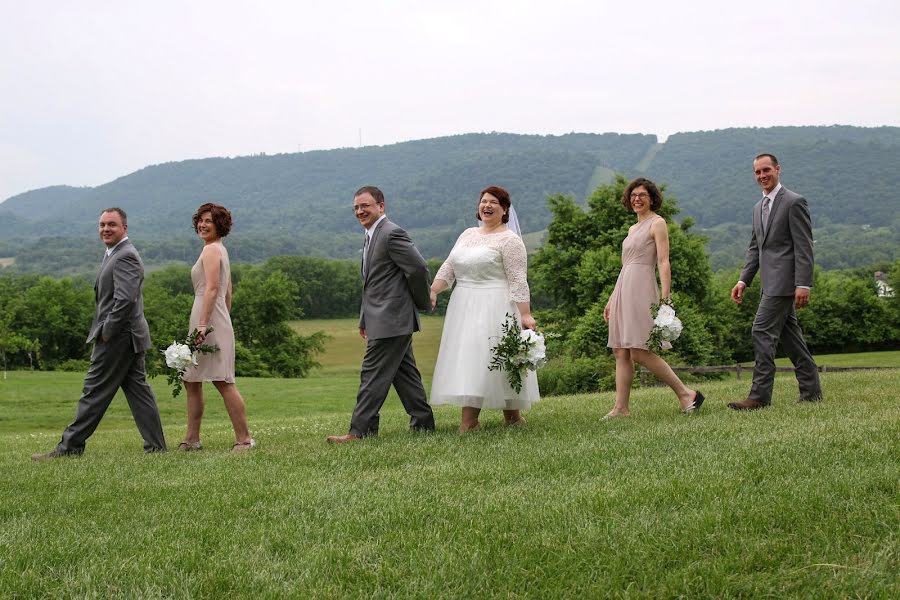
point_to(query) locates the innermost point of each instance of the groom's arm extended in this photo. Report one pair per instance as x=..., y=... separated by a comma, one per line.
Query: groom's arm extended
x=408, y=258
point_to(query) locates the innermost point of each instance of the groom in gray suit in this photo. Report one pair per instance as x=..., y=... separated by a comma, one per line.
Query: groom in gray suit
x=121, y=337
x=781, y=249
x=395, y=284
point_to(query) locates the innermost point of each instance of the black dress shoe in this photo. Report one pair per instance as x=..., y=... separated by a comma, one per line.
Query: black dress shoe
x=53, y=454
x=696, y=404
x=816, y=398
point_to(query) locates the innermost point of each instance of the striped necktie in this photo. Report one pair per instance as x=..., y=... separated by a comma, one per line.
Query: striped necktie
x=765, y=213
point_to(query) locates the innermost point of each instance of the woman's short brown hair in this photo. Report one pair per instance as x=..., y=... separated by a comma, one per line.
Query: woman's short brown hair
x=221, y=217
x=501, y=195
x=656, y=197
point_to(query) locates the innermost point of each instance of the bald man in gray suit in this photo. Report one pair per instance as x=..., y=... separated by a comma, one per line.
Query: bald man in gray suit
x=121, y=338
x=395, y=285
x=781, y=249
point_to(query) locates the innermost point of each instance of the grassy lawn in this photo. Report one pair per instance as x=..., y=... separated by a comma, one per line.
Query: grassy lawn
x=795, y=501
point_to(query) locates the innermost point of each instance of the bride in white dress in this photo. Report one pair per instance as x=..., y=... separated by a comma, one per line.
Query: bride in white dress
x=488, y=264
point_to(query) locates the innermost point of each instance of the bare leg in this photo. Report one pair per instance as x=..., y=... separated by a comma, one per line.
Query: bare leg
x=194, y=391
x=237, y=410
x=664, y=373
x=513, y=417
x=469, y=420
x=624, y=377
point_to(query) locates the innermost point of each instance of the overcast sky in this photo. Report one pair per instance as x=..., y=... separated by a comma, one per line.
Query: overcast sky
x=91, y=90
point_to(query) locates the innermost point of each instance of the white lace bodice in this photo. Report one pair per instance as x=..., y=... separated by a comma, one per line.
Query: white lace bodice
x=478, y=258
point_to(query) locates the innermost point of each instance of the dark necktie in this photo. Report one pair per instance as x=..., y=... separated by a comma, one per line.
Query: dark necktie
x=765, y=213
x=365, y=252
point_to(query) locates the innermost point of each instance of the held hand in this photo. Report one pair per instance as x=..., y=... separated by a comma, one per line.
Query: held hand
x=606, y=313
x=737, y=293
x=528, y=322
x=362, y=333
x=433, y=299
x=801, y=297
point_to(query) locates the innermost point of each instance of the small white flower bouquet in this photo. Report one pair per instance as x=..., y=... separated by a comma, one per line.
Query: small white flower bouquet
x=181, y=356
x=666, y=326
x=516, y=351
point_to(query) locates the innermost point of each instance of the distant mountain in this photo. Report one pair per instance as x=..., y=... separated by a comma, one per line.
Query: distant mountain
x=300, y=203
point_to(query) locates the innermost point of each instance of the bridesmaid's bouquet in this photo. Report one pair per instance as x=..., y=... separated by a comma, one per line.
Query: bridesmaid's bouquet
x=179, y=357
x=517, y=351
x=666, y=325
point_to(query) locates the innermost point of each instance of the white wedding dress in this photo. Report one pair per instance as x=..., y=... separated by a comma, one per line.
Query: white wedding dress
x=490, y=274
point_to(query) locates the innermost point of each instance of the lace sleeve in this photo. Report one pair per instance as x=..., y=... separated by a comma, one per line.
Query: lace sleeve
x=515, y=263
x=446, y=271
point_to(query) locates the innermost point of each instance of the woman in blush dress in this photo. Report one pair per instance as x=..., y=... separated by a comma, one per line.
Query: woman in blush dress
x=644, y=250
x=488, y=264
x=211, y=276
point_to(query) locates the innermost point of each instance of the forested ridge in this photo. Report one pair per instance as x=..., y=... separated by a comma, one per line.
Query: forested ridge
x=298, y=204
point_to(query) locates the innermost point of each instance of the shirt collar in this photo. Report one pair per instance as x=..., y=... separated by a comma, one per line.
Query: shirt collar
x=771, y=195
x=374, y=225
x=119, y=243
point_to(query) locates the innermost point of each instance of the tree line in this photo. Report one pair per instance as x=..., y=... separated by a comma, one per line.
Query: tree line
x=44, y=320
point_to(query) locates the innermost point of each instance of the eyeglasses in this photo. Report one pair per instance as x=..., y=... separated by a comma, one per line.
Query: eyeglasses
x=366, y=206
x=642, y=196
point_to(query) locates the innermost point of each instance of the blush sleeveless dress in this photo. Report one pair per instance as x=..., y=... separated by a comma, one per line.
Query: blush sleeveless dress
x=636, y=289
x=214, y=366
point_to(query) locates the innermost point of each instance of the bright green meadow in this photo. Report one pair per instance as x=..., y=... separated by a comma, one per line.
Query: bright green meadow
x=797, y=501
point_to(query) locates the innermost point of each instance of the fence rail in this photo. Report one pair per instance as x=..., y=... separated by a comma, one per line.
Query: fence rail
x=740, y=369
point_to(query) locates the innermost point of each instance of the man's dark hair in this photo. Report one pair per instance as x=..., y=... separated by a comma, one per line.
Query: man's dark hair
x=373, y=191
x=121, y=212
x=765, y=154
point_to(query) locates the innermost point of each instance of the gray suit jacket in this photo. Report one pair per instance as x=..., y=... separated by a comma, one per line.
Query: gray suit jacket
x=119, y=296
x=784, y=254
x=395, y=284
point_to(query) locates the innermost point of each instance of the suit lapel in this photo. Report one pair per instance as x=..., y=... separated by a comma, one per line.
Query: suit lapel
x=372, y=243
x=774, y=211
x=107, y=260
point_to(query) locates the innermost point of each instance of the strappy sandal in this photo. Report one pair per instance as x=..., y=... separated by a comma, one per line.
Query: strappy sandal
x=244, y=446
x=190, y=446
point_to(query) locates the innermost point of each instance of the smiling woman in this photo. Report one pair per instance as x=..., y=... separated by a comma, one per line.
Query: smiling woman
x=489, y=265
x=211, y=278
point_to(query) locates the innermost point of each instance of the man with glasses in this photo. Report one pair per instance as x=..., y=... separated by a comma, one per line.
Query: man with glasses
x=395, y=284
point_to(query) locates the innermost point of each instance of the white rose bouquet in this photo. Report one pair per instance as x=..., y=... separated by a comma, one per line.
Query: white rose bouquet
x=666, y=326
x=517, y=351
x=181, y=356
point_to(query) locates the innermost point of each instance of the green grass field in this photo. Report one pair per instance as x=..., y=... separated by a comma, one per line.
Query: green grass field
x=796, y=501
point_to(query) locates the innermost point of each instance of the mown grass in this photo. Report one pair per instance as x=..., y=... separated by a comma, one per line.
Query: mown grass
x=800, y=500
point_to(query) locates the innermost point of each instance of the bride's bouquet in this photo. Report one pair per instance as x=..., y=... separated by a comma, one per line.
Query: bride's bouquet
x=517, y=351
x=666, y=326
x=181, y=356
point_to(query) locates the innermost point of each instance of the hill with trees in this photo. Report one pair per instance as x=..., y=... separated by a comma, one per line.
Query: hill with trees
x=298, y=204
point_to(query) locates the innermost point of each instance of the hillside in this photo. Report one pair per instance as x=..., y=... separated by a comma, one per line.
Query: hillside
x=299, y=203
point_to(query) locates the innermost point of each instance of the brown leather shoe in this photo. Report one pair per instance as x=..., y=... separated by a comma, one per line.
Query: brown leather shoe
x=747, y=405
x=342, y=439
x=53, y=454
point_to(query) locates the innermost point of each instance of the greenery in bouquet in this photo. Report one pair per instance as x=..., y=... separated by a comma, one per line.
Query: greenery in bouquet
x=181, y=356
x=516, y=351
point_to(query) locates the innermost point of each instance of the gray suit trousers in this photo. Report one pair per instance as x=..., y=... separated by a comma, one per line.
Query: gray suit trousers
x=114, y=364
x=390, y=361
x=776, y=320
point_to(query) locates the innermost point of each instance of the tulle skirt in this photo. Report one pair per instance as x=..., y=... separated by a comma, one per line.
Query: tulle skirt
x=472, y=327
